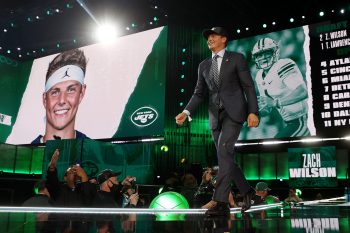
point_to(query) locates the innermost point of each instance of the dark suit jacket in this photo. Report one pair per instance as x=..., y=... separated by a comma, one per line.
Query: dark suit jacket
x=236, y=89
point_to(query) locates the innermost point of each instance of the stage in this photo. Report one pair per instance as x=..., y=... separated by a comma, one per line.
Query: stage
x=328, y=215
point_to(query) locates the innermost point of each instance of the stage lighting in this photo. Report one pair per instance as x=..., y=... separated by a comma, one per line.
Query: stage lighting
x=182, y=90
x=169, y=200
x=270, y=200
x=182, y=76
x=311, y=140
x=342, y=11
x=106, y=33
x=274, y=23
x=321, y=13
x=238, y=31
x=264, y=25
x=291, y=20
x=298, y=192
x=164, y=148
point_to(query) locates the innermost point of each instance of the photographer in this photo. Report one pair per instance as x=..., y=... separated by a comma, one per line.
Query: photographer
x=130, y=196
x=76, y=191
x=205, y=190
x=110, y=193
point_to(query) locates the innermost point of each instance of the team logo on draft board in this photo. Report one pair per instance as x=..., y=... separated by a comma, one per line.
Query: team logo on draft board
x=144, y=116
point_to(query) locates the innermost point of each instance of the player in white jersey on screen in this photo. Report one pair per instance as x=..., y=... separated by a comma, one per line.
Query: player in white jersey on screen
x=281, y=86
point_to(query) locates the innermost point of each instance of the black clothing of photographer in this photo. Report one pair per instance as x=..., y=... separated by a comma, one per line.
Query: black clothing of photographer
x=109, y=195
x=76, y=191
x=205, y=190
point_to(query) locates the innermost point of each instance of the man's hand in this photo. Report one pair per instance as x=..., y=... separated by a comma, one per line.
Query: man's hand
x=128, y=180
x=134, y=198
x=253, y=120
x=54, y=158
x=180, y=118
x=81, y=173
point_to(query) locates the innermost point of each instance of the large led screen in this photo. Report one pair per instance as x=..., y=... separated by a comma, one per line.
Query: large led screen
x=301, y=76
x=123, y=97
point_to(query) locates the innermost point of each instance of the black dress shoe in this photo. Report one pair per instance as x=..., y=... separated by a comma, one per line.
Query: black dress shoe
x=247, y=200
x=220, y=209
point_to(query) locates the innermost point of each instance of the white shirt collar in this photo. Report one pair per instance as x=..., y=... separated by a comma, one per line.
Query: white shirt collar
x=220, y=53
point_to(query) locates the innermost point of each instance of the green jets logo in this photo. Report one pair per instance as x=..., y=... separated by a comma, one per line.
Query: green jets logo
x=144, y=116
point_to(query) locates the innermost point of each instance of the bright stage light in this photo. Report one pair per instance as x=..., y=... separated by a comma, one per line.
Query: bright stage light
x=171, y=201
x=164, y=148
x=106, y=33
x=311, y=140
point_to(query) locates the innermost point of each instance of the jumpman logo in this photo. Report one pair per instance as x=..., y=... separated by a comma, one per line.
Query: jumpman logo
x=66, y=74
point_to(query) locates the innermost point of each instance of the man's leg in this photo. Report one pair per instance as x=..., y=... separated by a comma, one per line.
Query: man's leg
x=228, y=169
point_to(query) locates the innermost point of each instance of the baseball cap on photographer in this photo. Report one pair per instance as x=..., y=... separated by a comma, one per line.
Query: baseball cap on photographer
x=106, y=174
x=215, y=30
x=262, y=186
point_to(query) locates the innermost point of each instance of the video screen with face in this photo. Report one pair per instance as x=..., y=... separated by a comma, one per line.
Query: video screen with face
x=120, y=93
x=301, y=76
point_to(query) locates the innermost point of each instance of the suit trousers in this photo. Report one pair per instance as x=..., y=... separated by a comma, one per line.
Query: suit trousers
x=225, y=137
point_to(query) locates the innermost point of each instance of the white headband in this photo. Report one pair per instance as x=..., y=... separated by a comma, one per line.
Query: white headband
x=65, y=73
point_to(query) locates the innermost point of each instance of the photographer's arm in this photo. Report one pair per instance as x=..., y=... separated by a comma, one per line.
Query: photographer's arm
x=52, y=182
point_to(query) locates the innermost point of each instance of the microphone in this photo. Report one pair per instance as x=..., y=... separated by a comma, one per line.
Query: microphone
x=56, y=137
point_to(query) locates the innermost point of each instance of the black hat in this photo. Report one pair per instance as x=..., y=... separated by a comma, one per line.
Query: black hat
x=215, y=30
x=106, y=174
x=262, y=186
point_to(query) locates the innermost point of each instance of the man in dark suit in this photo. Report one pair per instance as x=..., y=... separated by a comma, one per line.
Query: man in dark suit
x=225, y=77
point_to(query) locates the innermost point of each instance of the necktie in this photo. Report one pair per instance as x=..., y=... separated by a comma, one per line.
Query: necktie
x=215, y=70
